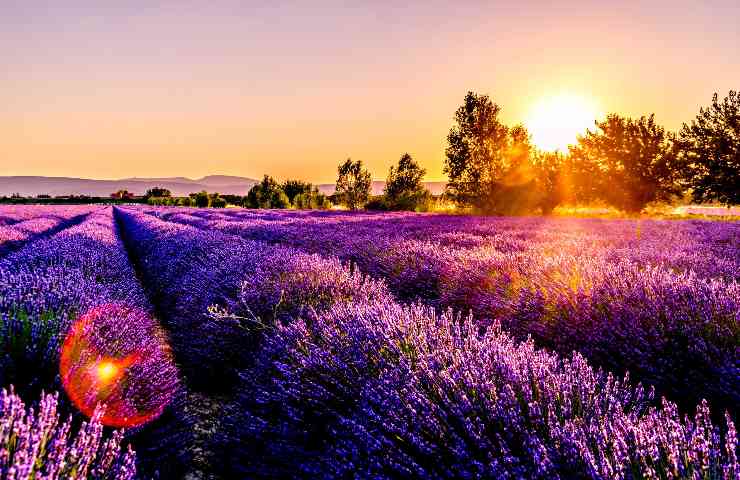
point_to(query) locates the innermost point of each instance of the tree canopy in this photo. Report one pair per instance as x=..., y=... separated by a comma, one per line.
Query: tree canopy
x=404, y=189
x=353, y=184
x=634, y=160
x=293, y=188
x=267, y=194
x=157, y=192
x=710, y=151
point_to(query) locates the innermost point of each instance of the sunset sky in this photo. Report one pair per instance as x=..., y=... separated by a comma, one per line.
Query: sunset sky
x=188, y=88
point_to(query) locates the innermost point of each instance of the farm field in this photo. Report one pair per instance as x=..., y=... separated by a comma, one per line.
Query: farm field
x=234, y=343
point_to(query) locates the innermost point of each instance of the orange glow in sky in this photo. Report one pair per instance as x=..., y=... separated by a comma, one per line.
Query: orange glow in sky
x=122, y=89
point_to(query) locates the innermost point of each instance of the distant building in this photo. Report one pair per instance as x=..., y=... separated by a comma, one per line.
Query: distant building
x=122, y=195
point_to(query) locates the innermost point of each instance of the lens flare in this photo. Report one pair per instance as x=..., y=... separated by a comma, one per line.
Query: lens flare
x=107, y=371
x=118, y=356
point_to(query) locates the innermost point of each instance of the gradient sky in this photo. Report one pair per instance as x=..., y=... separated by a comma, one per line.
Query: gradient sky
x=291, y=89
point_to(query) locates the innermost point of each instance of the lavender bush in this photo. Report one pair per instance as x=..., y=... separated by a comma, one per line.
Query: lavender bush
x=656, y=298
x=20, y=225
x=221, y=292
x=383, y=391
x=34, y=444
x=45, y=287
x=298, y=361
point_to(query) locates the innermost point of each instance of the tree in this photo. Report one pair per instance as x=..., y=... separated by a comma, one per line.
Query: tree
x=403, y=187
x=215, y=201
x=157, y=192
x=552, y=177
x=311, y=200
x=353, y=184
x=634, y=161
x=710, y=151
x=292, y=188
x=199, y=199
x=404, y=178
x=266, y=194
x=488, y=164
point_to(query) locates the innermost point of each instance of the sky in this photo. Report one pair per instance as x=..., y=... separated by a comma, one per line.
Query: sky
x=185, y=88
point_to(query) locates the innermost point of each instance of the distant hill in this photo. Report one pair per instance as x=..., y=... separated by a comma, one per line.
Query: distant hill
x=179, y=186
x=378, y=185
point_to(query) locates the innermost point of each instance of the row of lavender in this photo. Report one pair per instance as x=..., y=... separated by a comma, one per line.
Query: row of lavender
x=44, y=288
x=18, y=225
x=659, y=300
x=336, y=379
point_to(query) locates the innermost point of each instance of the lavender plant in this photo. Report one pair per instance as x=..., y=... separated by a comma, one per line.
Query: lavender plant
x=44, y=289
x=18, y=226
x=383, y=391
x=656, y=298
x=34, y=444
x=220, y=292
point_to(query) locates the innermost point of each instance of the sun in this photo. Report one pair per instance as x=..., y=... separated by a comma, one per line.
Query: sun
x=554, y=122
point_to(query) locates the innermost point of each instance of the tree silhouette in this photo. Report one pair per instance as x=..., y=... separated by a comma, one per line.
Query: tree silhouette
x=403, y=188
x=554, y=180
x=266, y=194
x=292, y=188
x=200, y=199
x=710, y=151
x=489, y=165
x=157, y=192
x=476, y=151
x=634, y=161
x=353, y=184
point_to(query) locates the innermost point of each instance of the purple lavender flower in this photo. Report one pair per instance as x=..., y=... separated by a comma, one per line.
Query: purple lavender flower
x=33, y=444
x=382, y=391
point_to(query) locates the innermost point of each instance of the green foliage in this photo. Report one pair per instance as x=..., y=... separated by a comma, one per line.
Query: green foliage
x=634, y=161
x=488, y=163
x=403, y=188
x=199, y=199
x=267, y=194
x=157, y=192
x=165, y=201
x=378, y=203
x=293, y=188
x=404, y=178
x=353, y=184
x=202, y=199
x=710, y=151
x=29, y=344
x=215, y=201
x=313, y=200
x=476, y=150
x=233, y=199
x=555, y=176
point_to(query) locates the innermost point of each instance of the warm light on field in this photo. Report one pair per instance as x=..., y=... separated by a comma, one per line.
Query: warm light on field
x=555, y=122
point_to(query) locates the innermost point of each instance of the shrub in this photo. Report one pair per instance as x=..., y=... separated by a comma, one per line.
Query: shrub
x=383, y=391
x=33, y=444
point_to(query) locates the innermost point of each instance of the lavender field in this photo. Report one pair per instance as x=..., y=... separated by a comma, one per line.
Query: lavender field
x=163, y=342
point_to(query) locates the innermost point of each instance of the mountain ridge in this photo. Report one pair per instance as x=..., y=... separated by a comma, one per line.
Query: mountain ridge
x=179, y=186
x=31, y=186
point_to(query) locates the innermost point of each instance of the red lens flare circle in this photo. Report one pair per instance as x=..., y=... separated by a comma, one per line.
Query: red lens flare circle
x=117, y=356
